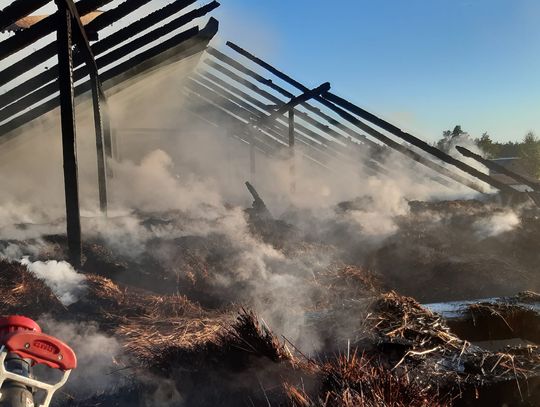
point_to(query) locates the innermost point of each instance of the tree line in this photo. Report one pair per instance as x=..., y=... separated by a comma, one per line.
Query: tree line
x=528, y=149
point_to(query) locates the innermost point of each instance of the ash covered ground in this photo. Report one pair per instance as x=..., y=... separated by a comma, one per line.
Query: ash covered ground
x=226, y=306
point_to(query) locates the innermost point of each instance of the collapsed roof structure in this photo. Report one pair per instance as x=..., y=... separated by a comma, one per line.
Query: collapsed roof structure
x=96, y=55
x=31, y=98
x=320, y=123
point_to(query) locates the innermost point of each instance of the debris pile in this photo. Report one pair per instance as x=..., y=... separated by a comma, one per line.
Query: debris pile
x=186, y=339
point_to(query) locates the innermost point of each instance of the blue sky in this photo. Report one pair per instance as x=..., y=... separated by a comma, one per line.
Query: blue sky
x=425, y=65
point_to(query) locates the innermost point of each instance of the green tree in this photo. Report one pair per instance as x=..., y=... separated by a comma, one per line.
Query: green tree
x=487, y=145
x=450, y=137
x=529, y=152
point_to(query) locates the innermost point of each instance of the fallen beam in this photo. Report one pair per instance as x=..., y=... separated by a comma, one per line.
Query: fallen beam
x=499, y=168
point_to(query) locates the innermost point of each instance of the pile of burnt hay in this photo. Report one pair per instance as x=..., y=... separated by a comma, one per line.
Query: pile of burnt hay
x=458, y=255
x=118, y=303
x=403, y=321
x=22, y=293
x=240, y=361
x=365, y=381
x=458, y=206
x=418, y=342
x=144, y=322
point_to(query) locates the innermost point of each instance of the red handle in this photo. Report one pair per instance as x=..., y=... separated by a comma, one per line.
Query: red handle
x=42, y=349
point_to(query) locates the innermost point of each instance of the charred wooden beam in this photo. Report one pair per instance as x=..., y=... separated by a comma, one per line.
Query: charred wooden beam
x=324, y=150
x=102, y=128
x=361, y=125
x=111, y=16
x=258, y=103
x=241, y=68
x=499, y=168
x=168, y=52
x=112, y=40
x=81, y=39
x=25, y=64
x=304, y=97
x=374, y=148
x=292, y=163
x=41, y=92
x=234, y=112
x=17, y=10
x=409, y=138
x=42, y=28
x=69, y=147
x=237, y=95
x=258, y=204
x=216, y=116
x=252, y=115
x=233, y=108
x=102, y=62
x=369, y=163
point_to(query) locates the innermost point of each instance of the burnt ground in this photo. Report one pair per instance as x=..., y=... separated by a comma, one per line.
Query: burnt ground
x=186, y=340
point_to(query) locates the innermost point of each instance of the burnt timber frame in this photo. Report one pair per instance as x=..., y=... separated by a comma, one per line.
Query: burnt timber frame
x=24, y=102
x=315, y=140
x=217, y=93
x=287, y=108
x=346, y=110
x=68, y=15
x=363, y=142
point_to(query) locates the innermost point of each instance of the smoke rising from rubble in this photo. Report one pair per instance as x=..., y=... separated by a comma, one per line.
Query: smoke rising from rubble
x=497, y=224
x=97, y=357
x=64, y=281
x=195, y=173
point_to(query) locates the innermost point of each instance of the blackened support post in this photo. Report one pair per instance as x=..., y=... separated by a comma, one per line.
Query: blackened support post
x=69, y=147
x=107, y=143
x=101, y=123
x=292, y=157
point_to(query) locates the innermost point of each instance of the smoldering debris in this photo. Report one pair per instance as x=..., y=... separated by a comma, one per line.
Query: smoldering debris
x=314, y=330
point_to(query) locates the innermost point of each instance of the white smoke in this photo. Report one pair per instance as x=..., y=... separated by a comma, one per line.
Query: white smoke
x=97, y=354
x=497, y=224
x=63, y=280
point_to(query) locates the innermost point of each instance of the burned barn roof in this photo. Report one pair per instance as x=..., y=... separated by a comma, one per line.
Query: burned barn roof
x=232, y=87
x=244, y=91
x=28, y=21
x=25, y=100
